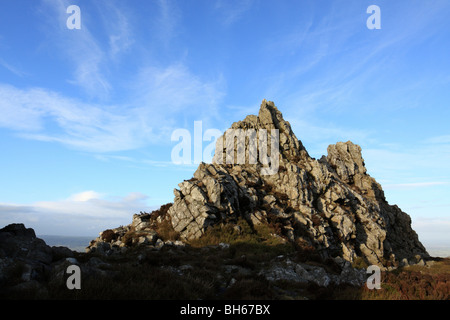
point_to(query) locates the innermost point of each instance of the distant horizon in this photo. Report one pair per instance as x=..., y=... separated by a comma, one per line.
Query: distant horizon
x=57, y=235
x=75, y=243
x=438, y=250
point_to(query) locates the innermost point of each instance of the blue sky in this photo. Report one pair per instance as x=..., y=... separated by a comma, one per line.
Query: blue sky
x=86, y=116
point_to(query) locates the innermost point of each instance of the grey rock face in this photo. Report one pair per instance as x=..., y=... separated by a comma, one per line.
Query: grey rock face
x=331, y=204
x=20, y=243
x=26, y=258
x=140, y=232
x=306, y=273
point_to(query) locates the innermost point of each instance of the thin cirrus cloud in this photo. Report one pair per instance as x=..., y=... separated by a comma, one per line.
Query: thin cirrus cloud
x=157, y=96
x=84, y=51
x=357, y=56
x=414, y=185
x=13, y=69
x=167, y=21
x=33, y=113
x=160, y=96
x=232, y=11
x=116, y=21
x=419, y=166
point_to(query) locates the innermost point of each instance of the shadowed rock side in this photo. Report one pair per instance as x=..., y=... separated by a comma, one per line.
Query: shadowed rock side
x=26, y=261
x=331, y=204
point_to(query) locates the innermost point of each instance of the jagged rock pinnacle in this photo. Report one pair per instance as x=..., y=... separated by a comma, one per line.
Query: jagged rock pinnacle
x=269, y=118
x=331, y=204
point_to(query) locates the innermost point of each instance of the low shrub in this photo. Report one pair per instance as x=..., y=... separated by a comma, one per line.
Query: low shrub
x=108, y=235
x=238, y=232
x=166, y=231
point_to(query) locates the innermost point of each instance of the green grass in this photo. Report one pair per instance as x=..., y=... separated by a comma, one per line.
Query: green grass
x=239, y=232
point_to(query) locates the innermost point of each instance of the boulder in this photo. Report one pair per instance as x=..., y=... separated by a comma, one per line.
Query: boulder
x=25, y=260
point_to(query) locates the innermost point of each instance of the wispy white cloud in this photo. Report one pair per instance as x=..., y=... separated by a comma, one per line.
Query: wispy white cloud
x=19, y=110
x=160, y=96
x=145, y=162
x=120, y=30
x=433, y=232
x=155, y=98
x=93, y=204
x=83, y=50
x=340, y=59
x=175, y=90
x=414, y=185
x=418, y=164
x=444, y=139
x=16, y=71
x=232, y=11
x=167, y=21
x=320, y=135
x=85, y=196
x=84, y=213
x=91, y=52
x=47, y=116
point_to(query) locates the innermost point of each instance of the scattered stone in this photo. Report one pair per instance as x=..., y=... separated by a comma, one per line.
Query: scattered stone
x=224, y=245
x=159, y=244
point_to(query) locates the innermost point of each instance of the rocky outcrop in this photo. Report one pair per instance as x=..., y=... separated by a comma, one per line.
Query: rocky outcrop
x=25, y=260
x=31, y=269
x=310, y=273
x=262, y=173
x=331, y=204
x=146, y=229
